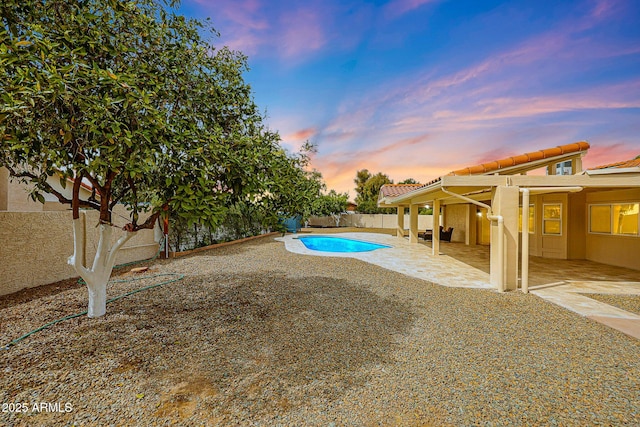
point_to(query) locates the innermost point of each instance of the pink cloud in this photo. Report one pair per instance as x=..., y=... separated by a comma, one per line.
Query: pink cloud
x=301, y=135
x=599, y=155
x=249, y=27
x=302, y=33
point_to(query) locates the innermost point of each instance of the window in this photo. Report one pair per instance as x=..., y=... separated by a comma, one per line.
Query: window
x=600, y=219
x=625, y=219
x=564, y=168
x=532, y=213
x=616, y=218
x=552, y=219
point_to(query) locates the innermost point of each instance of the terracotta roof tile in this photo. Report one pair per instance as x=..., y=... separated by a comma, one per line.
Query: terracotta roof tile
x=522, y=159
x=394, y=190
x=634, y=163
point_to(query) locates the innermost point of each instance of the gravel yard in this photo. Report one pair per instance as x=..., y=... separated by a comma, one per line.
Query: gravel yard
x=255, y=335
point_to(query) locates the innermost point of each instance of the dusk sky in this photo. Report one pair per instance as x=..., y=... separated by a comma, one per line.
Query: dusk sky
x=417, y=88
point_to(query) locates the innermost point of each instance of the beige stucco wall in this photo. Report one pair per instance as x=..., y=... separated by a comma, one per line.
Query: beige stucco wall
x=456, y=217
x=14, y=195
x=576, y=226
x=622, y=251
x=425, y=222
x=34, y=247
x=18, y=199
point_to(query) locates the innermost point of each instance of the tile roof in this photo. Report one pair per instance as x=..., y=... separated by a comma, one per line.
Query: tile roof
x=522, y=159
x=634, y=163
x=394, y=190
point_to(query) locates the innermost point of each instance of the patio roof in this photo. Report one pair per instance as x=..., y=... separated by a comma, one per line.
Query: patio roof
x=524, y=162
x=393, y=190
x=478, y=180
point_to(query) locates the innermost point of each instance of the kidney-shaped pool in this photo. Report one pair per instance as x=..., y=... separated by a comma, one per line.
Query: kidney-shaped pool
x=338, y=244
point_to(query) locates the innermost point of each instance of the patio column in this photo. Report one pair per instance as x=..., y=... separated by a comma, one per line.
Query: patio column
x=400, y=223
x=435, y=239
x=470, y=224
x=413, y=223
x=505, y=202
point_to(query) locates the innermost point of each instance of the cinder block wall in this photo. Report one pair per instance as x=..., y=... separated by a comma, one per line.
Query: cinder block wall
x=371, y=221
x=34, y=247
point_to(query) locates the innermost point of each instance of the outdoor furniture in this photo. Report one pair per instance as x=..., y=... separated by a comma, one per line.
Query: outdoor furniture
x=445, y=236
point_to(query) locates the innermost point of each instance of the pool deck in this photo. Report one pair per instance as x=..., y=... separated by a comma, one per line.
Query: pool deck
x=416, y=260
x=403, y=257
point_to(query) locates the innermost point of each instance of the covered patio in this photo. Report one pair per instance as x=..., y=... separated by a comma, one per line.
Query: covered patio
x=569, y=214
x=542, y=271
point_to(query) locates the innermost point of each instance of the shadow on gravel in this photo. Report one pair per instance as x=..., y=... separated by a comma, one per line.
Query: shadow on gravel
x=242, y=343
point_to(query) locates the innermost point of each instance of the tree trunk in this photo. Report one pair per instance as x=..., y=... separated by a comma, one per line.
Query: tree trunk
x=336, y=218
x=97, y=277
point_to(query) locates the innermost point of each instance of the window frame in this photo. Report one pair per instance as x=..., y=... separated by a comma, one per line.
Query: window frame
x=533, y=218
x=611, y=228
x=559, y=219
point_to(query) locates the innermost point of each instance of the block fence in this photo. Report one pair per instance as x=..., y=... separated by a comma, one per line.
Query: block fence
x=371, y=221
x=35, y=246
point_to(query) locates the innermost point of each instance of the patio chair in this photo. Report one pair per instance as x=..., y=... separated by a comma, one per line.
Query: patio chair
x=427, y=235
x=445, y=235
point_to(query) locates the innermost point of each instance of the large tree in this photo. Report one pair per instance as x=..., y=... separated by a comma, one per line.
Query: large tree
x=128, y=98
x=332, y=204
x=368, y=187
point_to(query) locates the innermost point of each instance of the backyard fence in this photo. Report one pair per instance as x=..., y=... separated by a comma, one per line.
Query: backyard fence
x=35, y=246
x=370, y=221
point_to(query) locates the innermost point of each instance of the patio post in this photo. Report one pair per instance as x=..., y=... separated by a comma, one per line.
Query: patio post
x=504, y=267
x=413, y=223
x=400, y=223
x=435, y=240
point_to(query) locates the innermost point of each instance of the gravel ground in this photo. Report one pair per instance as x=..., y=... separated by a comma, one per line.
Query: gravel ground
x=255, y=335
x=630, y=303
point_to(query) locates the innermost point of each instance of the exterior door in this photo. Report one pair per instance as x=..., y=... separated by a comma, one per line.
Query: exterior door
x=554, y=226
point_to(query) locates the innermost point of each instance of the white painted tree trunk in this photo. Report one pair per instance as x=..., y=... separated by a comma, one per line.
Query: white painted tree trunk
x=336, y=218
x=98, y=275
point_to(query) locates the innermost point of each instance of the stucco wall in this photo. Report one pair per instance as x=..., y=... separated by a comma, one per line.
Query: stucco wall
x=425, y=222
x=34, y=247
x=456, y=217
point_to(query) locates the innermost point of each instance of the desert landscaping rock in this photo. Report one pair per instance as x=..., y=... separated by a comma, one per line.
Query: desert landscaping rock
x=255, y=335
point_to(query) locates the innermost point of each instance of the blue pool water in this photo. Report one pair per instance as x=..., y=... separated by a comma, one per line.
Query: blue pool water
x=338, y=244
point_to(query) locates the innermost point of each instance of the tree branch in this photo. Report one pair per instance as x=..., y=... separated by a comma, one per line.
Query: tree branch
x=75, y=198
x=50, y=190
x=148, y=224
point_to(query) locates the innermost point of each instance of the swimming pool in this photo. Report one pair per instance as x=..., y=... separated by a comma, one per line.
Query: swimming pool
x=338, y=244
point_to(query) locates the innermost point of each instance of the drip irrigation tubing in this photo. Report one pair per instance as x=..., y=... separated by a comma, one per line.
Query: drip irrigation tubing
x=176, y=277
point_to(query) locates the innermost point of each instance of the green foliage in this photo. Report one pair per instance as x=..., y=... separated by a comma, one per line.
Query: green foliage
x=368, y=188
x=330, y=204
x=129, y=97
x=409, y=181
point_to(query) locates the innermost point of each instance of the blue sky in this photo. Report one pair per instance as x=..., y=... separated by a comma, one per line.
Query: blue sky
x=417, y=88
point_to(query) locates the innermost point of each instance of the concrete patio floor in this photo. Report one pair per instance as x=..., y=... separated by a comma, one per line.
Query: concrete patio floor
x=562, y=282
x=567, y=284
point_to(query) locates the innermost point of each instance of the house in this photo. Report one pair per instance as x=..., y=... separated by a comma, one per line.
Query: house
x=14, y=195
x=590, y=214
